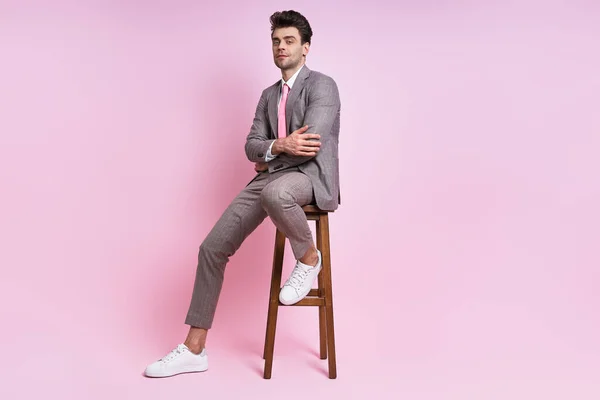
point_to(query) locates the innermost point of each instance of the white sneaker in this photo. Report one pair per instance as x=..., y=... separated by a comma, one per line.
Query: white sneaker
x=299, y=283
x=180, y=360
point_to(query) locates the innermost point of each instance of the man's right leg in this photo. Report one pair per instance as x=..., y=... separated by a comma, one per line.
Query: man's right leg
x=240, y=219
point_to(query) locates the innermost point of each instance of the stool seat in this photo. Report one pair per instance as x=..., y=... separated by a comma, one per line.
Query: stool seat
x=311, y=208
x=321, y=297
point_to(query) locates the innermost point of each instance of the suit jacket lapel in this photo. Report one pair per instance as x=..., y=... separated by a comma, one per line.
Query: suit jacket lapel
x=293, y=96
x=273, y=98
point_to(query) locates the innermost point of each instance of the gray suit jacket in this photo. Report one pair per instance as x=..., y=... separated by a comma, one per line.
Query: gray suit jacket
x=314, y=101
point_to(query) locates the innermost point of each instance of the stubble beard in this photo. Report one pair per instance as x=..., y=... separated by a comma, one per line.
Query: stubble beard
x=284, y=66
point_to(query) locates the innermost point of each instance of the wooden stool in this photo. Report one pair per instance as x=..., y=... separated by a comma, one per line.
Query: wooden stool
x=321, y=297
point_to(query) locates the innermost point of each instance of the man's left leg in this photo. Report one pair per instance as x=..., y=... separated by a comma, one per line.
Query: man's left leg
x=283, y=199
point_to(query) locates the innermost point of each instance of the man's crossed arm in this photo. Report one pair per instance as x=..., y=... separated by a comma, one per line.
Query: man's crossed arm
x=299, y=146
x=298, y=143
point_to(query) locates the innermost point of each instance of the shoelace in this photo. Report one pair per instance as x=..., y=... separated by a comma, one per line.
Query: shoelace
x=297, y=278
x=173, y=354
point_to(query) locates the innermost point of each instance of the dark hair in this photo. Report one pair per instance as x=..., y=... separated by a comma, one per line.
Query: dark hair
x=291, y=18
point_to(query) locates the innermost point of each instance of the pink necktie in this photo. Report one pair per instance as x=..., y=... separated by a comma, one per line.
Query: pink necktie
x=281, y=131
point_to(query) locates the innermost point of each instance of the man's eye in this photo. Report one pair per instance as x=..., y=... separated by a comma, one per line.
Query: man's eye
x=289, y=42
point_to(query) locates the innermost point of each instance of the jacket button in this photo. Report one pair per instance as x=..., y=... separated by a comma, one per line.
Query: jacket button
x=261, y=155
x=278, y=167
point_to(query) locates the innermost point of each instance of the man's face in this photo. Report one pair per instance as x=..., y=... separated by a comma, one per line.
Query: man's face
x=288, y=51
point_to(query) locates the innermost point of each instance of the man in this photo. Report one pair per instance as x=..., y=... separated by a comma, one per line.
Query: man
x=293, y=142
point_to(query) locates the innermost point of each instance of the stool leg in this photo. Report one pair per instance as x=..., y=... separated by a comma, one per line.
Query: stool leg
x=273, y=303
x=277, y=261
x=322, y=319
x=326, y=271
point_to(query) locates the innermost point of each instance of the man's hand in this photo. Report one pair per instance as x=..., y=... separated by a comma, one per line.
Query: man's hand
x=261, y=166
x=298, y=143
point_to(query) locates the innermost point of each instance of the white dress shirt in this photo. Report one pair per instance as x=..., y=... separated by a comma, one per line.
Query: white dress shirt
x=269, y=156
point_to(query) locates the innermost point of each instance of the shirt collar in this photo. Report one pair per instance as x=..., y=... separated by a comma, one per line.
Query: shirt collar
x=291, y=81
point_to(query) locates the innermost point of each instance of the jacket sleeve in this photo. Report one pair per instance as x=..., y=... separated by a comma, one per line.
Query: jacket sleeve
x=322, y=110
x=258, y=141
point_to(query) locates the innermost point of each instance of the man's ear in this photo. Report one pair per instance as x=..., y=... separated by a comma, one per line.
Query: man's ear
x=306, y=48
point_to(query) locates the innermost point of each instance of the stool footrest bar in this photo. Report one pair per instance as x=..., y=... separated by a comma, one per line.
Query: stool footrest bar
x=307, y=301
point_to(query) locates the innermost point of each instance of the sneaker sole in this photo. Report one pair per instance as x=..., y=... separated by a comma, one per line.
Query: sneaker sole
x=188, y=370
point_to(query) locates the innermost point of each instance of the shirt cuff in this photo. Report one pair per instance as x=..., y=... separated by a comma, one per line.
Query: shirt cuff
x=270, y=155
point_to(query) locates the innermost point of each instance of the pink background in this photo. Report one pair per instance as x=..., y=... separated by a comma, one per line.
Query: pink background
x=465, y=252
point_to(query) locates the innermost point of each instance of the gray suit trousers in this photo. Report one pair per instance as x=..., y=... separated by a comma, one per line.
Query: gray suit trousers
x=280, y=196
